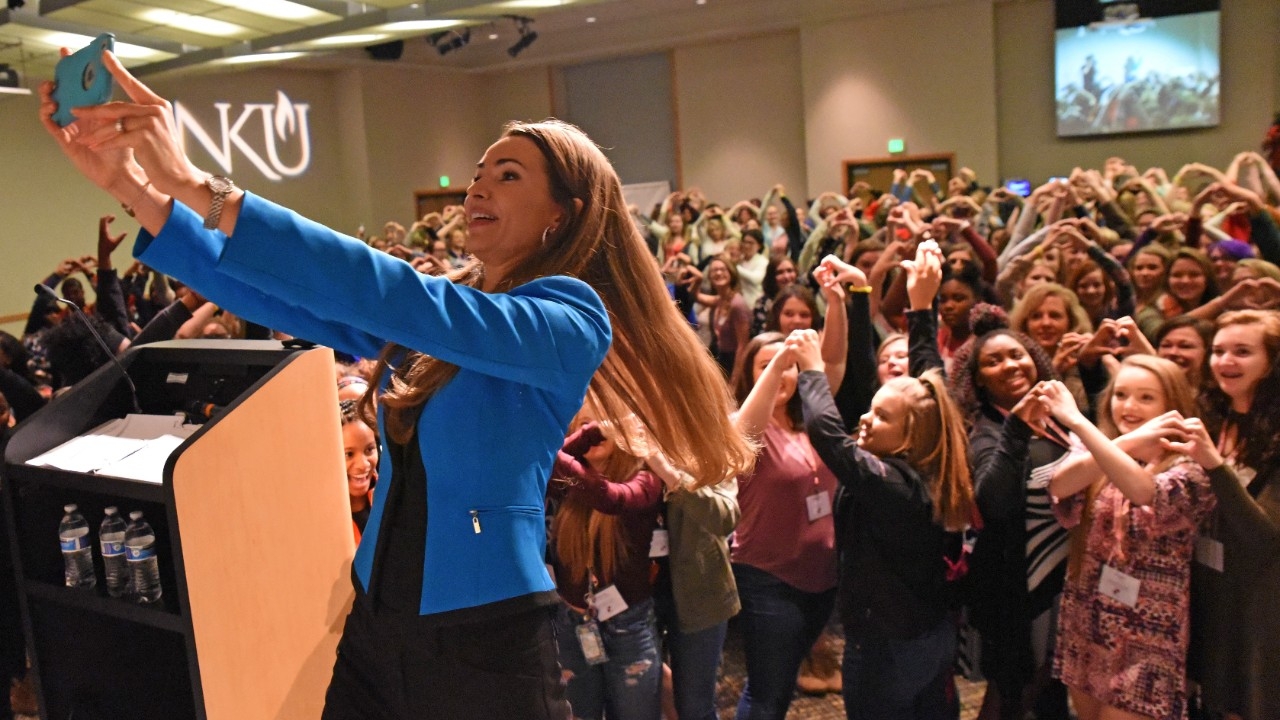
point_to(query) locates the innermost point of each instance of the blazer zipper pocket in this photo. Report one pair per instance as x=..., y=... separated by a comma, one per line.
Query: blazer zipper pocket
x=475, y=514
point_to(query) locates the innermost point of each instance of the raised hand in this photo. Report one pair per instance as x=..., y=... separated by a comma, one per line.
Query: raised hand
x=1132, y=341
x=832, y=291
x=1195, y=443
x=806, y=347
x=1032, y=411
x=1068, y=352
x=843, y=272
x=107, y=243
x=1152, y=434
x=924, y=275
x=143, y=129
x=1058, y=402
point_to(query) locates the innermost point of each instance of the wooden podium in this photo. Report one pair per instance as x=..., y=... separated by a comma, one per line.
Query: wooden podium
x=253, y=531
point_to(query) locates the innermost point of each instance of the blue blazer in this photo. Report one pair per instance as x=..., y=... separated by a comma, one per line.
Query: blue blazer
x=488, y=438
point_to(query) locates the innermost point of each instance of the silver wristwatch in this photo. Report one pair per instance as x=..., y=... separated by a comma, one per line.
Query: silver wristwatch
x=221, y=188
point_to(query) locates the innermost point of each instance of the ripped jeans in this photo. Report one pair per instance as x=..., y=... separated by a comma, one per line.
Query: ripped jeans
x=628, y=686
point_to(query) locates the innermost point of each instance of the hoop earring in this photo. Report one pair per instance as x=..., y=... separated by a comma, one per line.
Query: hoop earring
x=545, y=232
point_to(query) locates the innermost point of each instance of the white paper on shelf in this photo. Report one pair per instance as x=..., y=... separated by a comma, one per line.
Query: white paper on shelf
x=147, y=463
x=88, y=452
x=134, y=447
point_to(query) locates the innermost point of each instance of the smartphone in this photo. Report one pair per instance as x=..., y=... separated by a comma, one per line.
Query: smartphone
x=82, y=79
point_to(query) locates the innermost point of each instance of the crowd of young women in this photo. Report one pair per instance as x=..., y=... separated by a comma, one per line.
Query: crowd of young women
x=1085, y=387
x=1084, y=381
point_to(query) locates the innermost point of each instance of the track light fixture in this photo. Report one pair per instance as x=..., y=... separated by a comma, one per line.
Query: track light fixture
x=450, y=40
x=524, y=25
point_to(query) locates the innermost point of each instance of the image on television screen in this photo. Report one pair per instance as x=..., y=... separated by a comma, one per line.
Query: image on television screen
x=1137, y=75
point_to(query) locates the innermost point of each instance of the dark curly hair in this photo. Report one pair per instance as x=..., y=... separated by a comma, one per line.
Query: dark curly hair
x=987, y=322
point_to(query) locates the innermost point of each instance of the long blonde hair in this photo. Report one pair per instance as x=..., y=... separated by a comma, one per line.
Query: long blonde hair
x=936, y=445
x=1177, y=395
x=599, y=244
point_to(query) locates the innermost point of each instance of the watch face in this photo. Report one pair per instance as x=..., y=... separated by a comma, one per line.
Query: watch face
x=219, y=184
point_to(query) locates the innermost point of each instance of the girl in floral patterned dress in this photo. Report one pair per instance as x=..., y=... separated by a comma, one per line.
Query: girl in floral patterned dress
x=1135, y=505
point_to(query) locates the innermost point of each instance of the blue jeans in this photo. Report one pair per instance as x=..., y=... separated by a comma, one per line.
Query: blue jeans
x=906, y=679
x=695, y=665
x=779, y=625
x=630, y=683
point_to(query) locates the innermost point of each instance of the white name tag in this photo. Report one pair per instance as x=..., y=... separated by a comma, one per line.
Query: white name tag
x=660, y=544
x=1209, y=553
x=819, y=505
x=1118, y=586
x=608, y=602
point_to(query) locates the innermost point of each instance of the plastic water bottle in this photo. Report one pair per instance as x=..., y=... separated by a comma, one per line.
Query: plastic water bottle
x=77, y=550
x=140, y=550
x=111, y=537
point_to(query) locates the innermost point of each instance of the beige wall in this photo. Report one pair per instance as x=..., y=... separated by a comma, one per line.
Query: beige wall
x=925, y=75
x=740, y=117
x=420, y=124
x=523, y=94
x=47, y=211
x=1028, y=146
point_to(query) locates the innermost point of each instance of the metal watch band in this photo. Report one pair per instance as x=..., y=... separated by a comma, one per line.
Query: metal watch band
x=221, y=187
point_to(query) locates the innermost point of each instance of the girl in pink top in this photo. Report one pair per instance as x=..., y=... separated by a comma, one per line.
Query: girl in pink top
x=785, y=560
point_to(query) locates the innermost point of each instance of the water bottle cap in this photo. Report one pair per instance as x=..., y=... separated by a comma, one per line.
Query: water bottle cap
x=111, y=510
x=135, y=515
x=68, y=509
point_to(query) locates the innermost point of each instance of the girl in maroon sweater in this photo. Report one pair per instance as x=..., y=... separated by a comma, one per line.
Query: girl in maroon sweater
x=602, y=534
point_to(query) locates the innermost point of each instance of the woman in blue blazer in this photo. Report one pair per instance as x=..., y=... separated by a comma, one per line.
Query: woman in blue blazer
x=480, y=373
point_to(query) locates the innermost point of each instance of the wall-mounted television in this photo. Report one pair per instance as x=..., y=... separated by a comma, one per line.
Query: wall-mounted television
x=1126, y=66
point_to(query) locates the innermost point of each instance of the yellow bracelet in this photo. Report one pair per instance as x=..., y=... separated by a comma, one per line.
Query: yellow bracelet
x=859, y=289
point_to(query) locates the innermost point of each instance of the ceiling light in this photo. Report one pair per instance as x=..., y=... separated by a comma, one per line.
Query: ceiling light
x=261, y=57
x=279, y=10
x=74, y=41
x=529, y=4
x=409, y=26
x=363, y=39
x=192, y=23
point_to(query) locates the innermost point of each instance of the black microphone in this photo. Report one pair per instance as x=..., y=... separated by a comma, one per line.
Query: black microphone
x=45, y=290
x=197, y=411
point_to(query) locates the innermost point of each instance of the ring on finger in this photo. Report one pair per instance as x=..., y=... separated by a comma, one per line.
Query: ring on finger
x=120, y=125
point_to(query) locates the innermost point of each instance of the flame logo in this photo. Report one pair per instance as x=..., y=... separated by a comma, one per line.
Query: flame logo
x=286, y=118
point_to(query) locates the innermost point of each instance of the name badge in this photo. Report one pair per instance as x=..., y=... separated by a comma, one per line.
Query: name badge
x=592, y=644
x=660, y=544
x=1209, y=553
x=819, y=505
x=1118, y=586
x=608, y=602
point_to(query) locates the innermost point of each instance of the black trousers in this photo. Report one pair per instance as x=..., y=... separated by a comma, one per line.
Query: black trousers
x=393, y=667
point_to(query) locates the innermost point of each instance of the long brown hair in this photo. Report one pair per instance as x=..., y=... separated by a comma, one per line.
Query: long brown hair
x=598, y=243
x=581, y=531
x=1177, y=396
x=936, y=445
